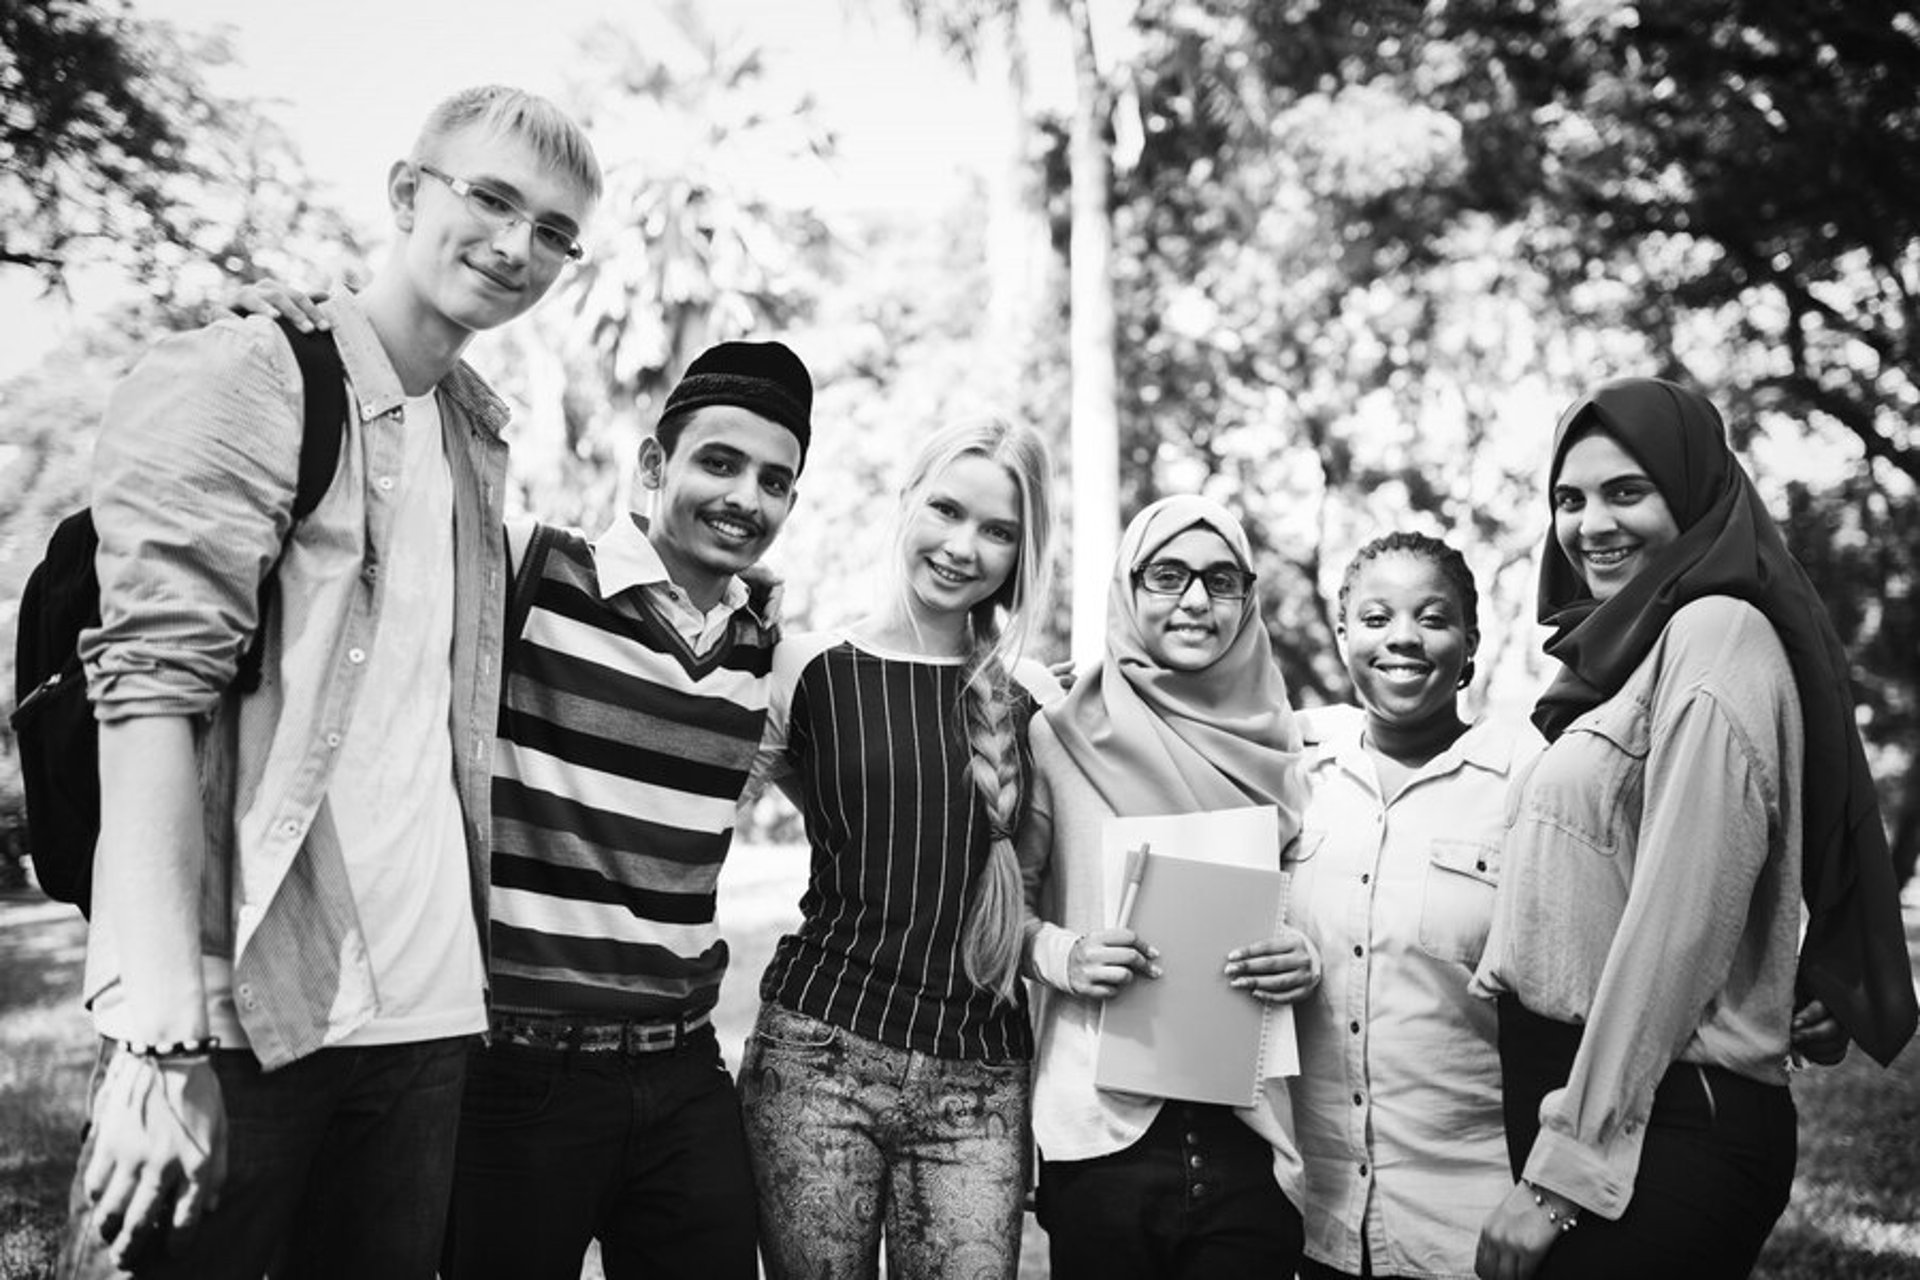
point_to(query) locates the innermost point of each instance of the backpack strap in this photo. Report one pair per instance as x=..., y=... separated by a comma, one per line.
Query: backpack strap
x=323, y=388
x=324, y=381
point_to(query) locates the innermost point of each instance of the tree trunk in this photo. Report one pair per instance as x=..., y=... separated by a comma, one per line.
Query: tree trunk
x=1095, y=432
x=1018, y=253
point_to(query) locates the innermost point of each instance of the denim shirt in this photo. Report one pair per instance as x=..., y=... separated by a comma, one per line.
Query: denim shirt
x=1397, y=1107
x=194, y=477
x=1651, y=889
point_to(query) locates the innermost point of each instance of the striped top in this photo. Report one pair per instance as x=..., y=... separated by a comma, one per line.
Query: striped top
x=876, y=757
x=619, y=764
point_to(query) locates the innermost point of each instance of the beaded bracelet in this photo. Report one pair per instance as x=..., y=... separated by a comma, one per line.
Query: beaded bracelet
x=170, y=1052
x=1563, y=1222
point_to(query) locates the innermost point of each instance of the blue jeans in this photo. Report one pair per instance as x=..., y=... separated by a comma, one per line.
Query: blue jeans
x=643, y=1152
x=849, y=1136
x=1193, y=1197
x=337, y=1165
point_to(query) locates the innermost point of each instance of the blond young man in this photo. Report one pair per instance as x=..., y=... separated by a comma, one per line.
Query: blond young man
x=291, y=886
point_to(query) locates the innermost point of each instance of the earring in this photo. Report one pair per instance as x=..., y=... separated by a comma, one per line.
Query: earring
x=1466, y=674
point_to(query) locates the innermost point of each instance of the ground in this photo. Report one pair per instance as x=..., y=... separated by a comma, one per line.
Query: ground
x=1856, y=1202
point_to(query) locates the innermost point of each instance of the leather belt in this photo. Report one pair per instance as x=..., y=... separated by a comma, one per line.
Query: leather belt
x=598, y=1037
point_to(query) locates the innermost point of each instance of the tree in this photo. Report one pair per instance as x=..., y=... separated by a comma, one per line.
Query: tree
x=113, y=151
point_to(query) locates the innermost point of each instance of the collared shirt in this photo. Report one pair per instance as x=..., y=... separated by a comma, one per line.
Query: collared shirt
x=1397, y=1107
x=622, y=754
x=194, y=479
x=625, y=557
x=1651, y=889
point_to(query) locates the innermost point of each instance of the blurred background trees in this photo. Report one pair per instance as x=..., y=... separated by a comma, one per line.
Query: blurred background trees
x=1337, y=263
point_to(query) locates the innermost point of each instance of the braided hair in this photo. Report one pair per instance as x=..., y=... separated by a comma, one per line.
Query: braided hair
x=998, y=630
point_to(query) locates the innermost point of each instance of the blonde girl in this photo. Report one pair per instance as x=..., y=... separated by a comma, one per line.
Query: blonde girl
x=886, y=1085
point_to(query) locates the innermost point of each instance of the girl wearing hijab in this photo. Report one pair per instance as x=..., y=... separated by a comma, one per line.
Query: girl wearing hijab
x=1703, y=778
x=1186, y=713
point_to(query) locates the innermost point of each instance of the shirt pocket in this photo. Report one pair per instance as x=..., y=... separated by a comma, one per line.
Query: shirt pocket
x=1588, y=784
x=1456, y=903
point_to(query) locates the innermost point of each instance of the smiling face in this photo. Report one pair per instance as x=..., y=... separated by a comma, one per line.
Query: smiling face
x=1608, y=516
x=473, y=275
x=960, y=537
x=1406, y=640
x=721, y=497
x=1190, y=631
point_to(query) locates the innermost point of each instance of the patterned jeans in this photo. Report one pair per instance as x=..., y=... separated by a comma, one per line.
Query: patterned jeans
x=848, y=1135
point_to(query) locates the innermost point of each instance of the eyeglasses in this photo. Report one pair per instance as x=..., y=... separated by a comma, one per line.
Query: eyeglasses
x=501, y=213
x=1171, y=578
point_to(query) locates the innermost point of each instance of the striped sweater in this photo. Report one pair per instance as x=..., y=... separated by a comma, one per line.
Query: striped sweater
x=619, y=764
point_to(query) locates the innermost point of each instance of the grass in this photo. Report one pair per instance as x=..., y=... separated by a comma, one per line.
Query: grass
x=1856, y=1201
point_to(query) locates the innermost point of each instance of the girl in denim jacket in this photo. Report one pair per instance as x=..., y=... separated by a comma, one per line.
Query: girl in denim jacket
x=1703, y=779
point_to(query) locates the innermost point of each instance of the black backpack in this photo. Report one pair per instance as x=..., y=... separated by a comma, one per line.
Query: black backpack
x=53, y=721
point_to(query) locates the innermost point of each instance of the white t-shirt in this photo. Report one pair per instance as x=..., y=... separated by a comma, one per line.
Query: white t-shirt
x=393, y=799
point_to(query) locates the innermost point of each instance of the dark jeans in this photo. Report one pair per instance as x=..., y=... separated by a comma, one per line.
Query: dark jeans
x=1194, y=1197
x=337, y=1165
x=1715, y=1171
x=643, y=1152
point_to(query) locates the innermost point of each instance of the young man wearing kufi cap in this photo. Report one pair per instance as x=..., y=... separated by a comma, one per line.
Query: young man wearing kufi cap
x=634, y=699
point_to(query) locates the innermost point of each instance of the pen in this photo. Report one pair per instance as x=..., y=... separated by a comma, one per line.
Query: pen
x=1136, y=872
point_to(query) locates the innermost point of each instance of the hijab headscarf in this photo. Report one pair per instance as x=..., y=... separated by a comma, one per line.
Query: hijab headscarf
x=1854, y=958
x=1152, y=740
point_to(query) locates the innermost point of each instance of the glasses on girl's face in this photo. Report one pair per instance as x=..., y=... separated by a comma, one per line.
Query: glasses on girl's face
x=502, y=213
x=1172, y=578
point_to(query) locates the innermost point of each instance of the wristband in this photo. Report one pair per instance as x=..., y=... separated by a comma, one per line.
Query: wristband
x=179, y=1049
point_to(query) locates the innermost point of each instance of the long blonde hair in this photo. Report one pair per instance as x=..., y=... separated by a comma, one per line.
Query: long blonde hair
x=998, y=630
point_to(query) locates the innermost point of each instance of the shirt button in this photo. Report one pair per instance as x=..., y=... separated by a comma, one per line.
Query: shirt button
x=1354, y=1026
x=1196, y=1162
x=1365, y=878
x=1193, y=1139
x=1363, y=1171
x=1480, y=866
x=356, y=656
x=370, y=572
x=384, y=484
x=1359, y=950
x=1199, y=1189
x=333, y=739
x=1358, y=1098
x=289, y=828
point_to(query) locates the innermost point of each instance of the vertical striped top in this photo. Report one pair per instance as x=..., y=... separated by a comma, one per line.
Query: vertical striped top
x=619, y=764
x=877, y=746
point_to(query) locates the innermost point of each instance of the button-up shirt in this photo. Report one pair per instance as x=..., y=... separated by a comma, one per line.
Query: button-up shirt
x=1651, y=889
x=1397, y=1108
x=194, y=479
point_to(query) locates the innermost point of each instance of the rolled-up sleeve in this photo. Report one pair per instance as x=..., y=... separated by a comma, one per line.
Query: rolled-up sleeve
x=193, y=483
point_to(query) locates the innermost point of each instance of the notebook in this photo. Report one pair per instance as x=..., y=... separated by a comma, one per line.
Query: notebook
x=1212, y=883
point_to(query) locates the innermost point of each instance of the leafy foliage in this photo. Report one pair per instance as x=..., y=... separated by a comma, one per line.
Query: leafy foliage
x=113, y=151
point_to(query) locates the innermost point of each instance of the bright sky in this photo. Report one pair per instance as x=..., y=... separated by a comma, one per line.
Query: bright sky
x=351, y=79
